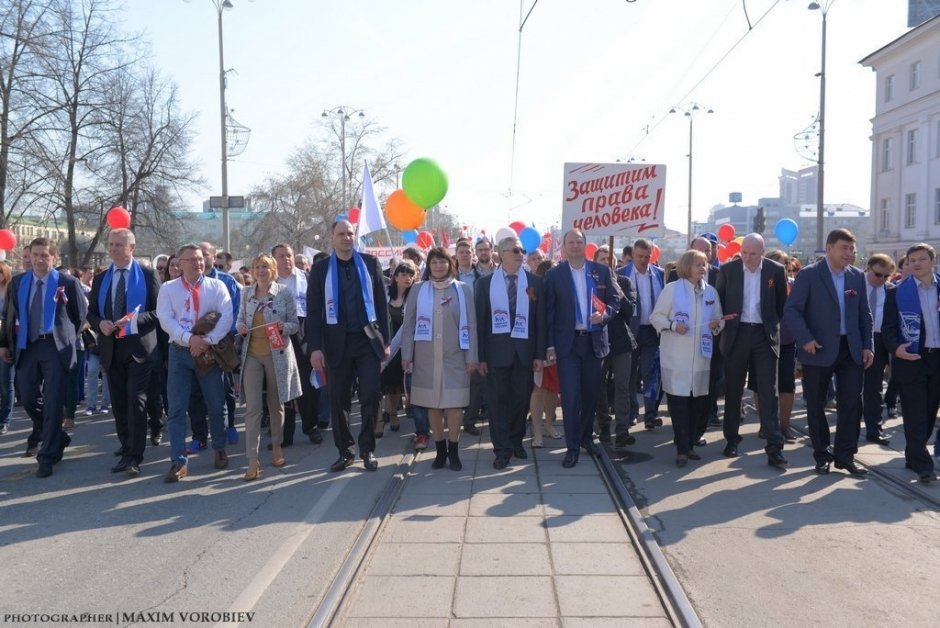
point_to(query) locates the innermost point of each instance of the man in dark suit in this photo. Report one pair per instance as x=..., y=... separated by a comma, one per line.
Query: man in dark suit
x=122, y=307
x=511, y=345
x=828, y=313
x=44, y=311
x=622, y=348
x=347, y=331
x=911, y=333
x=753, y=292
x=880, y=268
x=580, y=299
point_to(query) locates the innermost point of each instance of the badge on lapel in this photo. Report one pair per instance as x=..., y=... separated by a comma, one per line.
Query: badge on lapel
x=60, y=296
x=851, y=293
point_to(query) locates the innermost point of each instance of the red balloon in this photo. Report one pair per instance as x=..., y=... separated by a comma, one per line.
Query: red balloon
x=425, y=240
x=119, y=218
x=353, y=215
x=732, y=248
x=726, y=232
x=589, y=250
x=517, y=226
x=723, y=254
x=545, y=245
x=654, y=256
x=7, y=240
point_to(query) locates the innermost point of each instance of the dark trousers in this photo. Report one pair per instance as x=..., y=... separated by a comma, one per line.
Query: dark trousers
x=129, y=380
x=685, y=413
x=579, y=375
x=477, y=390
x=621, y=369
x=308, y=401
x=156, y=403
x=198, y=412
x=752, y=349
x=39, y=369
x=872, y=402
x=716, y=384
x=508, y=392
x=358, y=361
x=648, y=344
x=921, y=400
x=228, y=385
x=816, y=380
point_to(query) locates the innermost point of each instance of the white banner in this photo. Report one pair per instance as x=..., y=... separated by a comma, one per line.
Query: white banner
x=616, y=199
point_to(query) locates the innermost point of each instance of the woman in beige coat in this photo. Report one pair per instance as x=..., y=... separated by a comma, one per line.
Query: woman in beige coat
x=267, y=356
x=439, y=346
x=688, y=317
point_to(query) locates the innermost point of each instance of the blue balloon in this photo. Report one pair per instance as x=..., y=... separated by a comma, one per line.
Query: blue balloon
x=342, y=217
x=530, y=238
x=409, y=236
x=787, y=231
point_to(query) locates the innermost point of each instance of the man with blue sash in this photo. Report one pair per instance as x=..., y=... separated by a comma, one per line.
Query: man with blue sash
x=122, y=309
x=347, y=331
x=580, y=299
x=44, y=311
x=911, y=333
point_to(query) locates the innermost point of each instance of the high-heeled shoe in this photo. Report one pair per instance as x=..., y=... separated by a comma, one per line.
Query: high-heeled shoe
x=254, y=470
x=394, y=425
x=278, y=456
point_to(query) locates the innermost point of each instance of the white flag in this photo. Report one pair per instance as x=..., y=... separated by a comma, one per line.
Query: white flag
x=309, y=253
x=370, y=215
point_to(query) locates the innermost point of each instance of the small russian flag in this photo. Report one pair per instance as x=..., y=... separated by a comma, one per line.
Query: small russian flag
x=127, y=321
x=318, y=379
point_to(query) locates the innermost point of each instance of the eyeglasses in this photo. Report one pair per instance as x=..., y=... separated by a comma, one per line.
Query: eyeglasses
x=515, y=250
x=880, y=275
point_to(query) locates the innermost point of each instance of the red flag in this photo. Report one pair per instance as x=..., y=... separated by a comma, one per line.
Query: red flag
x=275, y=337
x=599, y=306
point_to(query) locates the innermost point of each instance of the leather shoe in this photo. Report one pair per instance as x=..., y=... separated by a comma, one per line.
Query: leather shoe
x=369, y=461
x=315, y=437
x=519, y=452
x=822, y=468
x=604, y=435
x=176, y=473
x=623, y=440
x=133, y=469
x=221, y=459
x=776, y=459
x=44, y=471
x=121, y=466
x=471, y=429
x=731, y=450
x=701, y=442
x=851, y=467
x=345, y=459
x=879, y=439
x=570, y=460
x=500, y=463
x=65, y=441
x=31, y=451
x=692, y=455
x=156, y=437
x=682, y=460
x=590, y=447
x=927, y=476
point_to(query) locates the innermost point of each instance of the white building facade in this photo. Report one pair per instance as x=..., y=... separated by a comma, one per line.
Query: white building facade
x=905, y=189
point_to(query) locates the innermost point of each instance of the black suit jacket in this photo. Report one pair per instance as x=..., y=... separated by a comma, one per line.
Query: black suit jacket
x=331, y=339
x=145, y=341
x=773, y=297
x=500, y=349
x=619, y=333
x=891, y=336
x=69, y=318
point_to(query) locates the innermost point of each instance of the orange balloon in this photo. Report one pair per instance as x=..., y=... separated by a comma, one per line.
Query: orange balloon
x=402, y=213
x=732, y=248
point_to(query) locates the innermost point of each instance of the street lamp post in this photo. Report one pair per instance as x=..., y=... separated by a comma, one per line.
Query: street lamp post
x=343, y=112
x=823, y=8
x=690, y=110
x=226, y=227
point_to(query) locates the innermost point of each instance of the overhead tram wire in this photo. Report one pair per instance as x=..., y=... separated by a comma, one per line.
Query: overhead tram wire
x=649, y=129
x=515, y=109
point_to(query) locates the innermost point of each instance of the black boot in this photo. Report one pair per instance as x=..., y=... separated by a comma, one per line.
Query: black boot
x=453, y=453
x=441, y=457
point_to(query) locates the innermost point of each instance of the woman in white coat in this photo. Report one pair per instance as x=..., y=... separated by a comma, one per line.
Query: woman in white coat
x=688, y=316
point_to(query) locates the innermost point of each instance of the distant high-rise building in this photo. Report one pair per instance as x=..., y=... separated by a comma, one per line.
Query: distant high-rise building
x=919, y=11
x=798, y=187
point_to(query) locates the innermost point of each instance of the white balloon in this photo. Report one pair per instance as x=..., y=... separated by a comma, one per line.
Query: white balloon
x=504, y=232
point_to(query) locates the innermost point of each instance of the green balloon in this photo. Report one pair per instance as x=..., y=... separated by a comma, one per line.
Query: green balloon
x=424, y=182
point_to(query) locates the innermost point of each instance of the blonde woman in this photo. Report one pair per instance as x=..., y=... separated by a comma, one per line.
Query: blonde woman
x=267, y=317
x=688, y=317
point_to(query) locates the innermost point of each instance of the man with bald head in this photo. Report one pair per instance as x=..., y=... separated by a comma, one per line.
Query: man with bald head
x=705, y=246
x=753, y=291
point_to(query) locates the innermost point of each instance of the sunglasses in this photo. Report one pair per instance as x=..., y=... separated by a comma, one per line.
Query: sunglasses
x=516, y=250
x=880, y=275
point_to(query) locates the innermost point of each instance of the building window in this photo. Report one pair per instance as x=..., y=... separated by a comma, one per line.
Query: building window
x=936, y=206
x=915, y=75
x=889, y=88
x=912, y=146
x=885, y=207
x=910, y=210
x=886, y=150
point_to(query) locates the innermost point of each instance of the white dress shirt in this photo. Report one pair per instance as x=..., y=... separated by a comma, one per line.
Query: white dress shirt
x=927, y=292
x=750, y=308
x=177, y=318
x=580, y=284
x=644, y=291
x=877, y=314
x=297, y=282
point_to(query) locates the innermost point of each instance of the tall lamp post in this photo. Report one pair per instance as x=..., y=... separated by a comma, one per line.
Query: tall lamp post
x=690, y=110
x=220, y=7
x=343, y=113
x=823, y=8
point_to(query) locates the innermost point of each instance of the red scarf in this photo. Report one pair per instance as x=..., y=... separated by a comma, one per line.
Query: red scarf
x=192, y=301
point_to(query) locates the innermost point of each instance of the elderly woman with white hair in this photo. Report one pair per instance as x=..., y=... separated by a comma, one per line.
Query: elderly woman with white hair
x=688, y=316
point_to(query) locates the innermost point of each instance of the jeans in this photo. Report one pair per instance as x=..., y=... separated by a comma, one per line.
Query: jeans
x=181, y=372
x=91, y=383
x=422, y=421
x=6, y=391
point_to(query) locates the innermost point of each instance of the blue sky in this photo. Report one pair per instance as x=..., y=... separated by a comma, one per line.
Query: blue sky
x=440, y=76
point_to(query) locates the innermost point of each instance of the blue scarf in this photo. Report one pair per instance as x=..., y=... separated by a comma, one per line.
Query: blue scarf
x=48, y=306
x=136, y=290
x=589, y=282
x=909, y=313
x=332, y=289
